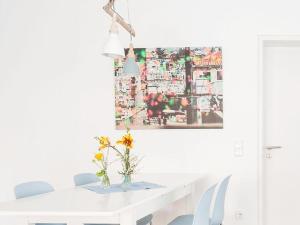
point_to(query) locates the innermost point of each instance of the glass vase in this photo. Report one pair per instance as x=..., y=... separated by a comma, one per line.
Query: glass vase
x=105, y=181
x=127, y=179
x=126, y=182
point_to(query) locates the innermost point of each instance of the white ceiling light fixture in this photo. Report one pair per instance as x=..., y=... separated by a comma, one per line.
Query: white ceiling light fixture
x=113, y=47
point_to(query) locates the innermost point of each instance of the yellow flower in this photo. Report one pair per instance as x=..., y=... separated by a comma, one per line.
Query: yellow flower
x=104, y=142
x=99, y=156
x=127, y=141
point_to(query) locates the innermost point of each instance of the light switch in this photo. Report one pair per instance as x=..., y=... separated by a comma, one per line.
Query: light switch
x=238, y=148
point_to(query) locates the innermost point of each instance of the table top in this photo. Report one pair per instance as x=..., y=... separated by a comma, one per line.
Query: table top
x=80, y=201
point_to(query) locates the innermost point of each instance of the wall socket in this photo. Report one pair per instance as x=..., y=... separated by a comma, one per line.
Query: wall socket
x=238, y=215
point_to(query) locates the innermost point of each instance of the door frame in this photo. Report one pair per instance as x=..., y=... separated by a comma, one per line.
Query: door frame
x=263, y=41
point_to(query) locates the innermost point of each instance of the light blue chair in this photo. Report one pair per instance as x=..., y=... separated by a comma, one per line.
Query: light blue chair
x=201, y=216
x=219, y=204
x=88, y=178
x=34, y=188
x=85, y=178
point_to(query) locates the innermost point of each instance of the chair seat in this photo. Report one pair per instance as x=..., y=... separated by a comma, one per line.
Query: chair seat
x=143, y=221
x=183, y=220
x=201, y=216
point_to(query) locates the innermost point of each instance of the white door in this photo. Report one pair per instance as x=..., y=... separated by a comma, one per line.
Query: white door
x=281, y=134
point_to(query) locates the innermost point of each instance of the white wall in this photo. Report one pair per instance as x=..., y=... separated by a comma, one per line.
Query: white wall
x=56, y=90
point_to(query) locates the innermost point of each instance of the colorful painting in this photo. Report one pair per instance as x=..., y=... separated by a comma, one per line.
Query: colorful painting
x=177, y=88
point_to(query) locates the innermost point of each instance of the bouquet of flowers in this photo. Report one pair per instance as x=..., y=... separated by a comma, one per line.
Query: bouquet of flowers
x=129, y=162
x=101, y=159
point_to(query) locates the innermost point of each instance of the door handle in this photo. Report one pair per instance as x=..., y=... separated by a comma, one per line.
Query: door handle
x=273, y=147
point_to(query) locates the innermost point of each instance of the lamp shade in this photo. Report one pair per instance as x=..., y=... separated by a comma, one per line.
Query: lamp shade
x=113, y=47
x=131, y=66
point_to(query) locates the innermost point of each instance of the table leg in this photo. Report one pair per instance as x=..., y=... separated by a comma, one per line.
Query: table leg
x=190, y=200
x=128, y=218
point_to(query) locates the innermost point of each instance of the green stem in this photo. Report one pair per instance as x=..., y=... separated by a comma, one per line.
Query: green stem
x=114, y=148
x=127, y=162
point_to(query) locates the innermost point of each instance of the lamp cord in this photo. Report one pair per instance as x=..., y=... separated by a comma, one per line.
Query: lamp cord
x=129, y=21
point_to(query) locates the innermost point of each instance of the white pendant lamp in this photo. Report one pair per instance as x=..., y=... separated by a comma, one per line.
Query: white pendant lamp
x=131, y=67
x=113, y=47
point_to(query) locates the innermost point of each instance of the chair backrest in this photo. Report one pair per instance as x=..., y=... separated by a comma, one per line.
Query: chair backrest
x=201, y=216
x=32, y=188
x=85, y=178
x=218, y=208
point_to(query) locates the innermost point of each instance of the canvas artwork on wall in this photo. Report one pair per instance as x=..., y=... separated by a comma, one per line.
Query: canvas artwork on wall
x=177, y=88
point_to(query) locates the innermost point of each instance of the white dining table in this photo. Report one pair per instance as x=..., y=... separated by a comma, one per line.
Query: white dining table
x=78, y=206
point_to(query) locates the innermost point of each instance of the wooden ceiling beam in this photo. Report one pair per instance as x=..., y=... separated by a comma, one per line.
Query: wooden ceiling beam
x=109, y=9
